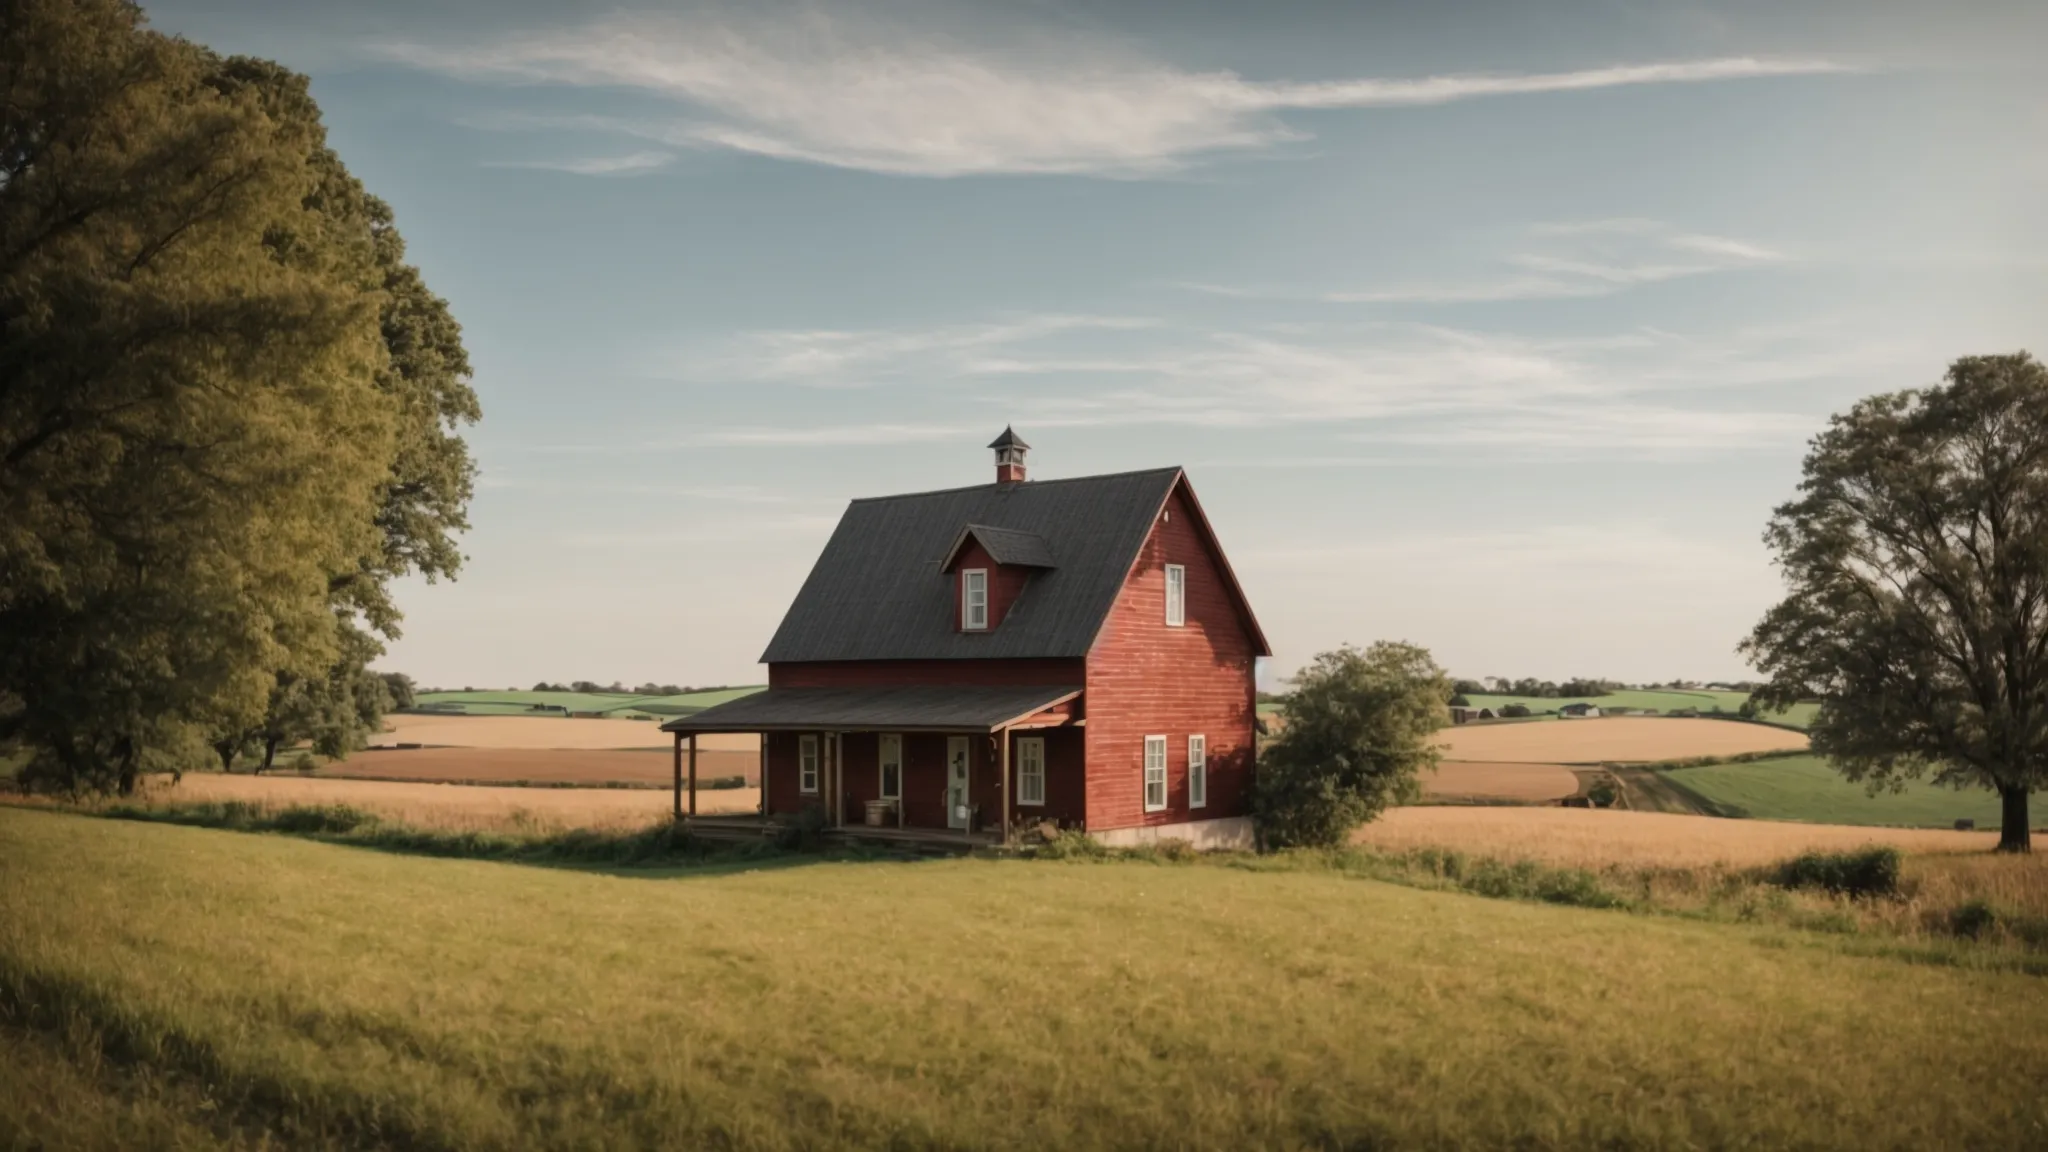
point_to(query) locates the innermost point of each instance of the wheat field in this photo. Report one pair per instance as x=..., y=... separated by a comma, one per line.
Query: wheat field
x=454, y=807
x=1631, y=739
x=1598, y=838
x=543, y=732
x=1484, y=780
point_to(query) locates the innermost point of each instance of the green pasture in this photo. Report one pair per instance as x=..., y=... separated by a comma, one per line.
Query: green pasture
x=487, y=703
x=1805, y=788
x=168, y=986
x=1663, y=700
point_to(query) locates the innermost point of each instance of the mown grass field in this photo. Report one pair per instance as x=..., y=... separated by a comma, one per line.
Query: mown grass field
x=168, y=985
x=488, y=703
x=1805, y=788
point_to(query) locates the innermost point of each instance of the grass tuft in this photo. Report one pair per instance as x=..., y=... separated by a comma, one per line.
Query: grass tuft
x=1868, y=872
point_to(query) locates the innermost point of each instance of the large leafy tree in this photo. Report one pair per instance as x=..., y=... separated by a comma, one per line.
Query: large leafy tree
x=424, y=497
x=1360, y=729
x=1916, y=556
x=226, y=404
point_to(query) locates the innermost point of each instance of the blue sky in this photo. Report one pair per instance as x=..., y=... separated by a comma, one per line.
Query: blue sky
x=1495, y=327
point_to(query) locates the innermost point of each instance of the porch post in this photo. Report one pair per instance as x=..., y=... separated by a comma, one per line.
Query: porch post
x=693, y=773
x=679, y=776
x=1003, y=761
x=763, y=779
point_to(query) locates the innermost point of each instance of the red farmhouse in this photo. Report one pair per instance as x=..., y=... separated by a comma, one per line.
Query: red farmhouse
x=974, y=659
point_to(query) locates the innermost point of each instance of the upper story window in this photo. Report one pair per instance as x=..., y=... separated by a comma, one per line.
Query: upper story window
x=974, y=599
x=1176, y=595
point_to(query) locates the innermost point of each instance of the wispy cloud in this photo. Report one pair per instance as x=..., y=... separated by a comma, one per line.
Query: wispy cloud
x=1556, y=261
x=1401, y=391
x=859, y=93
x=634, y=164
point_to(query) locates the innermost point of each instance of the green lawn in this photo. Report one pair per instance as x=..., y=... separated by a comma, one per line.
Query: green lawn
x=483, y=703
x=1805, y=788
x=162, y=984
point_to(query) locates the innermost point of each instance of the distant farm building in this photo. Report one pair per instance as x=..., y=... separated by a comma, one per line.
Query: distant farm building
x=965, y=662
x=1460, y=713
x=1579, y=711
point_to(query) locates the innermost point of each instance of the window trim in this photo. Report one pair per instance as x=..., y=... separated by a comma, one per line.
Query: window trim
x=1176, y=595
x=1152, y=742
x=1037, y=745
x=967, y=604
x=808, y=764
x=1198, y=771
x=882, y=744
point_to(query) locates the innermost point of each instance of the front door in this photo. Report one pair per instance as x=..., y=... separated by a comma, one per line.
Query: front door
x=956, y=782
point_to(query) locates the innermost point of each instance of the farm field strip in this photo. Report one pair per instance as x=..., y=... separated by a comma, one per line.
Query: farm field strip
x=453, y=806
x=1491, y=780
x=850, y=1005
x=581, y=701
x=536, y=765
x=543, y=732
x=1598, y=838
x=1618, y=738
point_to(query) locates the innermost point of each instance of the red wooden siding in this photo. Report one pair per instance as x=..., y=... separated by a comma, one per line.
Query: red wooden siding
x=1148, y=679
x=1005, y=584
x=892, y=673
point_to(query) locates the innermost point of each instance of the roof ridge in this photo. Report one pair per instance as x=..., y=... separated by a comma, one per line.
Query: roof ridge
x=1030, y=483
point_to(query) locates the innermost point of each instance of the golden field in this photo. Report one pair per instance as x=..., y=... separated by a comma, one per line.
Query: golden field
x=1486, y=780
x=1629, y=739
x=543, y=732
x=1598, y=838
x=452, y=806
x=536, y=765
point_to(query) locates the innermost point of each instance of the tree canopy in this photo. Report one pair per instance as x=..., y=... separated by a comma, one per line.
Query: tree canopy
x=1360, y=729
x=227, y=407
x=1916, y=559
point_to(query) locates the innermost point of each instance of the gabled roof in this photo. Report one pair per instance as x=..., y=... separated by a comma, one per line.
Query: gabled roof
x=1004, y=546
x=875, y=592
x=933, y=707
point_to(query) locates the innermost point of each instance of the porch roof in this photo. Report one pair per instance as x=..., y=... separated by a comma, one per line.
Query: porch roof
x=918, y=708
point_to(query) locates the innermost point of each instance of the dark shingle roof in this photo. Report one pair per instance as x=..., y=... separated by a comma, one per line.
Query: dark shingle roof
x=953, y=708
x=876, y=593
x=1009, y=439
x=1004, y=546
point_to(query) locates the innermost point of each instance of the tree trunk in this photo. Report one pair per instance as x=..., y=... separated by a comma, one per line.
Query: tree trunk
x=227, y=756
x=269, y=753
x=2013, y=835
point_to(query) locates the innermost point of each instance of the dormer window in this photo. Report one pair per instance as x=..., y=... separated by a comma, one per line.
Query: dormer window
x=1176, y=595
x=974, y=599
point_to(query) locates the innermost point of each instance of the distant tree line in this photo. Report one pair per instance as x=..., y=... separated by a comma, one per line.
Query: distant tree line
x=618, y=687
x=229, y=411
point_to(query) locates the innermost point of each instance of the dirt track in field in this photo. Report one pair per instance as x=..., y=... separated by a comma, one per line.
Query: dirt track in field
x=1619, y=738
x=451, y=806
x=1483, y=780
x=537, y=765
x=543, y=732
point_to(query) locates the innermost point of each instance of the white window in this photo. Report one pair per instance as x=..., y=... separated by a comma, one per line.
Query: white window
x=974, y=599
x=1198, y=771
x=1031, y=770
x=807, y=764
x=1155, y=773
x=1176, y=595
x=892, y=767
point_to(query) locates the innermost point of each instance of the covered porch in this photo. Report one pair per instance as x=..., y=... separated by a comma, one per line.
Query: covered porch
x=965, y=763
